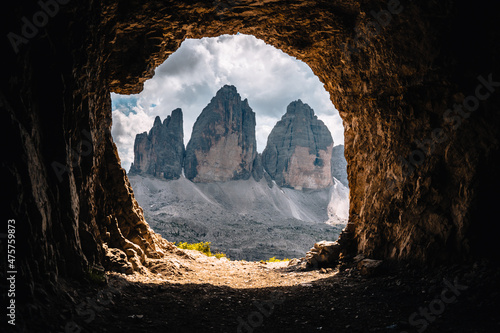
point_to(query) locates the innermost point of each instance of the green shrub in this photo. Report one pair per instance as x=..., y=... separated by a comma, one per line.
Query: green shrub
x=273, y=259
x=219, y=255
x=203, y=247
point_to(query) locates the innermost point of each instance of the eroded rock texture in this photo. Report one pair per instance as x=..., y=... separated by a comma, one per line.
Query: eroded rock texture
x=222, y=145
x=299, y=150
x=161, y=152
x=392, y=79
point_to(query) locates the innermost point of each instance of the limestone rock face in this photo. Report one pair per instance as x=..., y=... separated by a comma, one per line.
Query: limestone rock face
x=339, y=165
x=222, y=145
x=299, y=150
x=161, y=152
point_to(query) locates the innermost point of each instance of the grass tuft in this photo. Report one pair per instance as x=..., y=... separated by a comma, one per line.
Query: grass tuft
x=203, y=247
x=273, y=259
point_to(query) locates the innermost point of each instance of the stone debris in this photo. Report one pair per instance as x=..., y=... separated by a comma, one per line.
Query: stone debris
x=116, y=260
x=323, y=254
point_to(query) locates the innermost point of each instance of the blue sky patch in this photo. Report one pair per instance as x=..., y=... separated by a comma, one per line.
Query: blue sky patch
x=124, y=103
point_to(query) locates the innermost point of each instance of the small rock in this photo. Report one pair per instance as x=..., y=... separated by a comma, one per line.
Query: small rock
x=136, y=316
x=324, y=253
x=359, y=257
x=369, y=267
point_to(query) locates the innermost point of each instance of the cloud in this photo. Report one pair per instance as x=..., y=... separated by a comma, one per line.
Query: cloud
x=191, y=76
x=126, y=124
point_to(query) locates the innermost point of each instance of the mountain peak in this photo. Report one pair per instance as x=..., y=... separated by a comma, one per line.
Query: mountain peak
x=157, y=121
x=222, y=145
x=227, y=92
x=298, y=108
x=160, y=152
x=175, y=119
x=299, y=149
x=228, y=87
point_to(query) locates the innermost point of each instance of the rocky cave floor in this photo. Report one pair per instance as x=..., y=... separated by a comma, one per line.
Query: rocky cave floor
x=189, y=292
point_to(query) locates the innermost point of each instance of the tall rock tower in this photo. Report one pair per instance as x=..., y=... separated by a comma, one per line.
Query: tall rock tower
x=161, y=152
x=222, y=145
x=299, y=150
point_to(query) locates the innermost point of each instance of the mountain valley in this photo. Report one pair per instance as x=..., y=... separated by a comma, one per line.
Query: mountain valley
x=219, y=189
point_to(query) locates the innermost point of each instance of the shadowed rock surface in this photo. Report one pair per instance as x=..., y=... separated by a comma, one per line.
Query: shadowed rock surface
x=161, y=152
x=222, y=145
x=299, y=150
x=394, y=89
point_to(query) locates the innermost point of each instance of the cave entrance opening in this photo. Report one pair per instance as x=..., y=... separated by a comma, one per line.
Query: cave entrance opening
x=236, y=143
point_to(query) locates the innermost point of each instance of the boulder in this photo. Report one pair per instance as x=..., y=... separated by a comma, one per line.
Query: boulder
x=369, y=267
x=324, y=253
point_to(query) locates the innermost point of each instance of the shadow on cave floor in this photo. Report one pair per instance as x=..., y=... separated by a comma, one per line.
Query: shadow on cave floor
x=195, y=293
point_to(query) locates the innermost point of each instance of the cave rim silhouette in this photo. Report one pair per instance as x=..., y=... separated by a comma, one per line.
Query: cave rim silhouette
x=299, y=44
x=358, y=236
x=288, y=58
x=66, y=255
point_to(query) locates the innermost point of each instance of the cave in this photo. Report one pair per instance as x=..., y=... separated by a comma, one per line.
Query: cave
x=416, y=83
x=245, y=217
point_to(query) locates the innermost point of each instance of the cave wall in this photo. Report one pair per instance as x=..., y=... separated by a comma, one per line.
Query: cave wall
x=61, y=172
x=393, y=69
x=392, y=83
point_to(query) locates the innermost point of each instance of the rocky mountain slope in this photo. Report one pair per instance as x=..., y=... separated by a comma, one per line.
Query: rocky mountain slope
x=245, y=219
x=251, y=206
x=299, y=150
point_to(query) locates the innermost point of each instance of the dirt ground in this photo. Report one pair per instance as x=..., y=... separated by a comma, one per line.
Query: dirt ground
x=189, y=292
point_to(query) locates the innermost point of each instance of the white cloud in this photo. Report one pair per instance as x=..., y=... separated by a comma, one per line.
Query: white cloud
x=125, y=127
x=191, y=76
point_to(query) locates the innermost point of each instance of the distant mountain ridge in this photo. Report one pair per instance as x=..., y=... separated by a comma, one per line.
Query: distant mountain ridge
x=251, y=206
x=222, y=147
x=339, y=165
